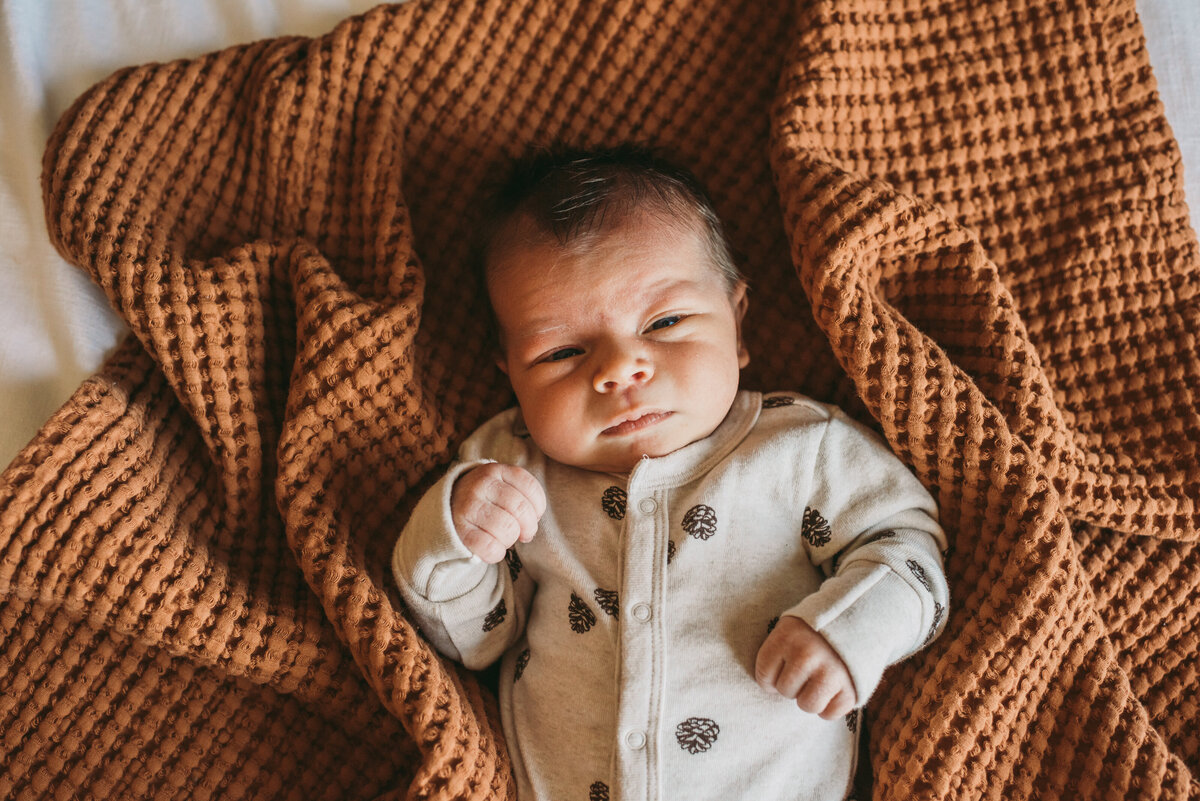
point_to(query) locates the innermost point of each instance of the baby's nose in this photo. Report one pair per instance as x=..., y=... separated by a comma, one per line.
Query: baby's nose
x=622, y=368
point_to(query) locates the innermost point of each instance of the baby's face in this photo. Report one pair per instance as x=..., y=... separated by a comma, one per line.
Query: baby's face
x=629, y=347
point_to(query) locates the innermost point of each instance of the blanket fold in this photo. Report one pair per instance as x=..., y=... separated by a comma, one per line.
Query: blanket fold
x=961, y=222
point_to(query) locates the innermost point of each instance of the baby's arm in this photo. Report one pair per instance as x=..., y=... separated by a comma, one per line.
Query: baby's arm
x=453, y=563
x=872, y=528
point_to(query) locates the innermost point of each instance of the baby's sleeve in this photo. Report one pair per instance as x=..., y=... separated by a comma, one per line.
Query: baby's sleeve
x=872, y=528
x=471, y=611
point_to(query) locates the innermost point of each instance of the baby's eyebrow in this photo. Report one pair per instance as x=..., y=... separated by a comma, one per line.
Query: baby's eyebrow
x=540, y=328
x=533, y=335
x=545, y=326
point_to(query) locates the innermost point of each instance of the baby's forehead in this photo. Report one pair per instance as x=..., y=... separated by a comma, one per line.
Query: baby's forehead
x=523, y=243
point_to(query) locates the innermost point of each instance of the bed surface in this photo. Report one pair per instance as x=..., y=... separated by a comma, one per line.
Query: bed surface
x=55, y=328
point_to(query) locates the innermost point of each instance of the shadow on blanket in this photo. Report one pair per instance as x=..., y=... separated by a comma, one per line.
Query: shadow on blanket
x=962, y=221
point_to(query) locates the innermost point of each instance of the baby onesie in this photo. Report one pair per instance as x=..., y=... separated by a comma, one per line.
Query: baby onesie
x=629, y=626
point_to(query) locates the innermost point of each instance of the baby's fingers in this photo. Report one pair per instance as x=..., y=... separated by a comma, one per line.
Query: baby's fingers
x=767, y=668
x=839, y=706
x=482, y=543
x=825, y=694
x=506, y=511
x=522, y=496
x=491, y=507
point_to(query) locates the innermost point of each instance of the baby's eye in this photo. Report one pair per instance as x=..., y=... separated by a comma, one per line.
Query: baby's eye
x=562, y=353
x=665, y=322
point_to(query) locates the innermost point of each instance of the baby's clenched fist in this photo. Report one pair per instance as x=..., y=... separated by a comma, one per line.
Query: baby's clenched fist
x=494, y=506
x=797, y=662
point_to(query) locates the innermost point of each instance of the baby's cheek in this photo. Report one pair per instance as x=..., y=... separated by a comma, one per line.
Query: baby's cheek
x=556, y=427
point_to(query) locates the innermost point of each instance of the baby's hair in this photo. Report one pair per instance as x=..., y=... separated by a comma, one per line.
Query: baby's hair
x=574, y=195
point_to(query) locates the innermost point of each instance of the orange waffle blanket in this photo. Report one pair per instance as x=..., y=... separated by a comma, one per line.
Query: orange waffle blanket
x=961, y=220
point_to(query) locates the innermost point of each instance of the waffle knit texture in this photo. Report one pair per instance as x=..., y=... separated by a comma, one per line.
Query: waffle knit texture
x=962, y=222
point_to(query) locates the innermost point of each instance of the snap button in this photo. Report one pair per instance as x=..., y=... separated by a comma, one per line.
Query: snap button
x=635, y=740
x=641, y=612
x=648, y=506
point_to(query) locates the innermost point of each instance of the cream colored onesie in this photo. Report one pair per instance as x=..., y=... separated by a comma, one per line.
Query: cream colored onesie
x=630, y=625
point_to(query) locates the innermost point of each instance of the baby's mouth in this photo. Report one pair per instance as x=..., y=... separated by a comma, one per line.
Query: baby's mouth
x=630, y=425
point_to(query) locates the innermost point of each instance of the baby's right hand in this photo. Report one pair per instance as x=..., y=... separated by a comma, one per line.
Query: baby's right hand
x=495, y=505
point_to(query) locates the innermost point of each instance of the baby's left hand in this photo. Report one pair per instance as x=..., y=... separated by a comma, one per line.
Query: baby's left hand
x=797, y=662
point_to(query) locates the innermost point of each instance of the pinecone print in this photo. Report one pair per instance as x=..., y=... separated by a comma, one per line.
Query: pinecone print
x=496, y=616
x=938, y=612
x=608, y=602
x=700, y=521
x=519, y=667
x=514, y=563
x=887, y=533
x=919, y=572
x=598, y=792
x=852, y=721
x=815, y=528
x=613, y=502
x=696, y=735
x=772, y=623
x=775, y=401
x=580, y=614
x=670, y=551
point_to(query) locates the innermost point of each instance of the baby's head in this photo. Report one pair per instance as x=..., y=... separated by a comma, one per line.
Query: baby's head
x=617, y=305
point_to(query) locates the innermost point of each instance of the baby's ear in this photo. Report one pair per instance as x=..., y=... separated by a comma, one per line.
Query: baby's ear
x=741, y=302
x=496, y=346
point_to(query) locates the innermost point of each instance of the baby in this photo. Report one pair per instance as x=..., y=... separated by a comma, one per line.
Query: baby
x=692, y=588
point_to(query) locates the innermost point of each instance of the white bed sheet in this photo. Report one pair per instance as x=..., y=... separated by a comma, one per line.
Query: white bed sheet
x=56, y=327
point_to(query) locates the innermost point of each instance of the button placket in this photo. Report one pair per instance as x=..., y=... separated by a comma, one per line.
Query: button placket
x=648, y=506
x=640, y=710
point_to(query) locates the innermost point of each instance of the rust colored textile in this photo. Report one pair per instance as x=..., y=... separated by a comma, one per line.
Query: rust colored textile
x=961, y=220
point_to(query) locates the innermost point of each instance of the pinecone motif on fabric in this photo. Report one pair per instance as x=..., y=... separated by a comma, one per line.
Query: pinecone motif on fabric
x=613, y=502
x=580, y=614
x=775, y=401
x=700, y=521
x=772, y=623
x=696, y=735
x=919, y=572
x=852, y=721
x=886, y=534
x=496, y=616
x=521, y=664
x=608, y=601
x=598, y=792
x=938, y=612
x=513, y=559
x=815, y=528
x=670, y=551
